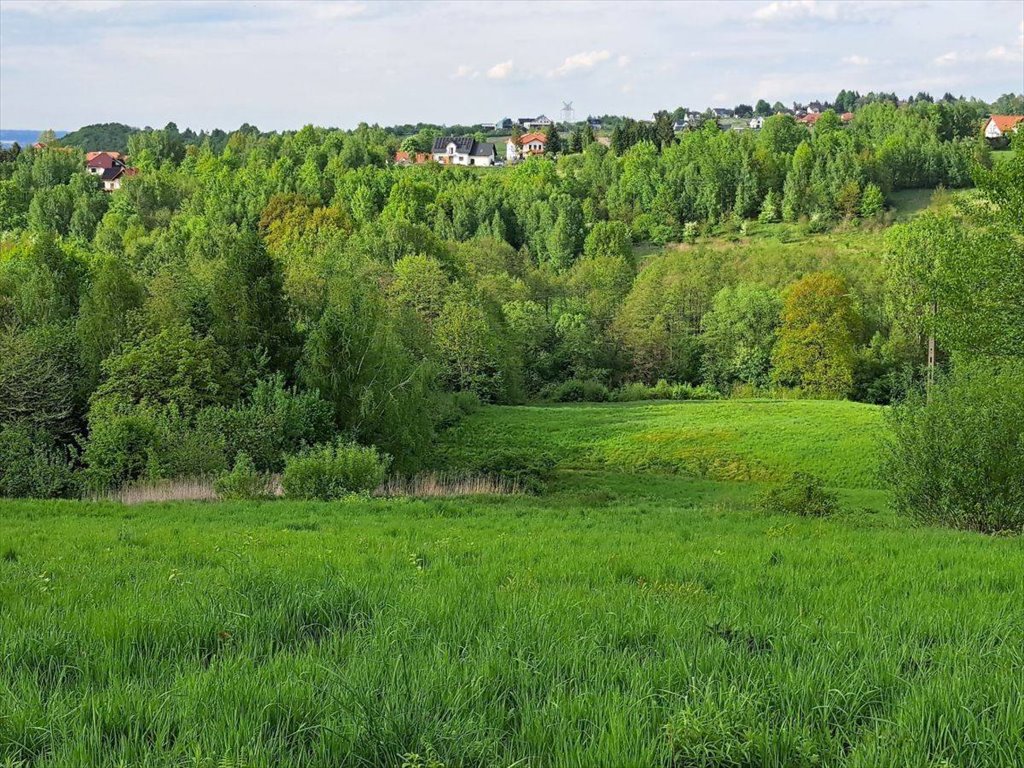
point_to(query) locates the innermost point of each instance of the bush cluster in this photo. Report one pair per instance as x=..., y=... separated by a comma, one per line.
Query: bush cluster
x=800, y=494
x=577, y=391
x=664, y=391
x=334, y=470
x=244, y=482
x=957, y=458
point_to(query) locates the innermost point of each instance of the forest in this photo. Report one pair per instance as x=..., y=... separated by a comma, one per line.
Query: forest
x=266, y=293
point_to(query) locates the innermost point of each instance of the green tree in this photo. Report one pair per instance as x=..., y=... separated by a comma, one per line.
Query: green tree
x=816, y=344
x=739, y=334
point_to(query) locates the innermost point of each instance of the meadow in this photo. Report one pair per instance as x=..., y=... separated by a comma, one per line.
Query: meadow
x=640, y=612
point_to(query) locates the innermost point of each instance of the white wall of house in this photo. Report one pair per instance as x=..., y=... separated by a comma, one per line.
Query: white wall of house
x=992, y=130
x=534, y=146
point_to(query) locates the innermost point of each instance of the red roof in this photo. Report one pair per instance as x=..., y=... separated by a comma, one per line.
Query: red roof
x=401, y=157
x=103, y=159
x=1006, y=122
x=528, y=137
x=810, y=118
x=846, y=117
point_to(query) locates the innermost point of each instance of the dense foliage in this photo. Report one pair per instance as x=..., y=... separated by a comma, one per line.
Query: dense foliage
x=957, y=452
x=267, y=293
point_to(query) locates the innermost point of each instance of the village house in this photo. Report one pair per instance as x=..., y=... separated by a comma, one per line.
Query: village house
x=999, y=126
x=406, y=158
x=463, y=150
x=756, y=123
x=532, y=144
x=533, y=123
x=110, y=167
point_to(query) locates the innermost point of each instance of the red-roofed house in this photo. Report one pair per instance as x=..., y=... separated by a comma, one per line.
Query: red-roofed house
x=110, y=167
x=532, y=144
x=404, y=158
x=1000, y=125
x=846, y=117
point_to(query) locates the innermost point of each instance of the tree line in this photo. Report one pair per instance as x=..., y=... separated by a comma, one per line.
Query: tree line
x=283, y=289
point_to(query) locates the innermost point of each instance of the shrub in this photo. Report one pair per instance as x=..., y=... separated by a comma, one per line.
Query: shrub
x=958, y=459
x=578, y=391
x=148, y=443
x=801, y=494
x=275, y=421
x=636, y=391
x=334, y=470
x=529, y=471
x=452, y=407
x=243, y=482
x=33, y=466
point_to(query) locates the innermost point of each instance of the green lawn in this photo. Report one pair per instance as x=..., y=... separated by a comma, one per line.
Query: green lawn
x=759, y=440
x=626, y=618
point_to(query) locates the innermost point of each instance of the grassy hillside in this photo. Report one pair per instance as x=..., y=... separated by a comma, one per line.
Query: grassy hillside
x=758, y=440
x=636, y=618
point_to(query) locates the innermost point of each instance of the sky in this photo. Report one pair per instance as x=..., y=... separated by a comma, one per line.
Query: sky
x=282, y=64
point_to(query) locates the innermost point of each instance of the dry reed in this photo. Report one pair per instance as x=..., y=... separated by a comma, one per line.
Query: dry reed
x=434, y=484
x=182, y=489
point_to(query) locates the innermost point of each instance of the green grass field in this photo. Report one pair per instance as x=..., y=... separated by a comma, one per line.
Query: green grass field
x=641, y=613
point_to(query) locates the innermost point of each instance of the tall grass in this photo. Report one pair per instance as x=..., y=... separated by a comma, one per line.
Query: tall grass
x=435, y=484
x=566, y=630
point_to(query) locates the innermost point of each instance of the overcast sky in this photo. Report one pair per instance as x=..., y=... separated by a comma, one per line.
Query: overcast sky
x=281, y=65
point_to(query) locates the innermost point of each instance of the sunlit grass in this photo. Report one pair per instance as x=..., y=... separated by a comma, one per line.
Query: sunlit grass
x=640, y=618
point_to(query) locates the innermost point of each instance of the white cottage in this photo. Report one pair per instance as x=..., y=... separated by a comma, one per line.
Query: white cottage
x=463, y=150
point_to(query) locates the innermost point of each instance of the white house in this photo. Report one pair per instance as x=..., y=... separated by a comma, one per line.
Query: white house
x=110, y=167
x=463, y=150
x=541, y=121
x=532, y=144
x=1000, y=125
x=511, y=151
x=756, y=122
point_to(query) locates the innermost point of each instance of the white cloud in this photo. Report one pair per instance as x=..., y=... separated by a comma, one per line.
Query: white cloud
x=580, y=62
x=952, y=57
x=501, y=70
x=815, y=10
x=856, y=60
x=464, y=71
x=788, y=10
x=623, y=61
x=1002, y=53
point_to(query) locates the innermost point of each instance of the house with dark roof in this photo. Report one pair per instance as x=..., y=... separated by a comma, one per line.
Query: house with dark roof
x=110, y=167
x=463, y=150
x=541, y=121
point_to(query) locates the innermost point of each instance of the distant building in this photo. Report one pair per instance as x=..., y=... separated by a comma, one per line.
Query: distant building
x=846, y=117
x=999, y=126
x=406, y=158
x=110, y=167
x=680, y=125
x=756, y=122
x=816, y=108
x=723, y=112
x=532, y=144
x=541, y=121
x=464, y=150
